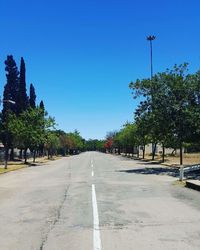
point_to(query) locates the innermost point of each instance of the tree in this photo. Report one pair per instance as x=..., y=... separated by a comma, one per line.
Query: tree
x=11, y=86
x=27, y=130
x=73, y=142
x=179, y=95
x=142, y=131
x=63, y=143
x=32, y=97
x=10, y=93
x=168, y=105
x=42, y=108
x=109, y=141
x=69, y=143
x=22, y=98
x=94, y=145
x=51, y=143
x=42, y=105
x=117, y=142
x=108, y=144
x=77, y=140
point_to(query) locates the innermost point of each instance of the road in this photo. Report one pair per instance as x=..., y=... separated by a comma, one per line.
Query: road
x=95, y=201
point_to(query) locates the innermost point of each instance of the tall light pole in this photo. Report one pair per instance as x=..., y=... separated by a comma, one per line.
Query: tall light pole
x=8, y=101
x=150, y=39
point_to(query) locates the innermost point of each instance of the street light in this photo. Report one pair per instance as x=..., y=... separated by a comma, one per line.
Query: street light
x=150, y=39
x=6, y=154
x=8, y=101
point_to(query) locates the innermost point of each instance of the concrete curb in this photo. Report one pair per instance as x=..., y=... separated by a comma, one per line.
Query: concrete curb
x=193, y=184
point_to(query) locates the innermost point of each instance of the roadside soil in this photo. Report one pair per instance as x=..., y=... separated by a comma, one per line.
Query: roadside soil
x=173, y=161
x=18, y=164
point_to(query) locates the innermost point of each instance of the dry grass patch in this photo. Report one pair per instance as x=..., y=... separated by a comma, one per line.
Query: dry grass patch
x=12, y=167
x=180, y=183
x=188, y=159
x=16, y=165
x=45, y=159
x=174, y=161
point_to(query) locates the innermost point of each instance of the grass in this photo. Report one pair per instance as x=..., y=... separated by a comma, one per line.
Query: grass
x=188, y=159
x=16, y=165
x=11, y=168
x=173, y=161
x=180, y=183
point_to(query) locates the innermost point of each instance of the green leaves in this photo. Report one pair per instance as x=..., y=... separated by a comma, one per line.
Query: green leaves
x=170, y=106
x=29, y=128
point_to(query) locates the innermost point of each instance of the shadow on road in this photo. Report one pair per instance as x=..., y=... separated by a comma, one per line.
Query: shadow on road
x=157, y=171
x=152, y=167
x=174, y=172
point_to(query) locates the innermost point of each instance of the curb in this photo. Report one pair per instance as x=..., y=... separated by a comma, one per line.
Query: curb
x=193, y=184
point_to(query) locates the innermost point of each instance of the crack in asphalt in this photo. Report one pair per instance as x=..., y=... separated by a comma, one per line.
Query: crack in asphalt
x=56, y=218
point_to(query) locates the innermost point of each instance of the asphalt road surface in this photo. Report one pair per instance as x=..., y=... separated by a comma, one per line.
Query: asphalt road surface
x=95, y=201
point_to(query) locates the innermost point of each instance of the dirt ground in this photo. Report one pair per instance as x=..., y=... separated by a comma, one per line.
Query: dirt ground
x=188, y=159
x=15, y=165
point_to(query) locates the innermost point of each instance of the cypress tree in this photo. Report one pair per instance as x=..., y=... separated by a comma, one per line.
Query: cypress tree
x=11, y=86
x=10, y=93
x=22, y=102
x=42, y=105
x=32, y=96
x=41, y=146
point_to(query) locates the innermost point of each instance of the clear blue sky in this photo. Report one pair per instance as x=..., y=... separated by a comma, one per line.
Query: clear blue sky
x=81, y=55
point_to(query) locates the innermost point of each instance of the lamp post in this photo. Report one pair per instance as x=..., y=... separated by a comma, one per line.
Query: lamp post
x=150, y=39
x=6, y=135
x=8, y=101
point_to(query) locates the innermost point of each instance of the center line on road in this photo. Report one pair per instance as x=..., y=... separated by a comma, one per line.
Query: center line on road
x=92, y=173
x=96, y=232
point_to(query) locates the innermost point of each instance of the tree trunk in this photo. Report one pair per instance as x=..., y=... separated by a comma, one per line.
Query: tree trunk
x=143, y=152
x=48, y=152
x=34, y=155
x=163, y=152
x=173, y=151
x=12, y=154
x=181, y=153
x=132, y=149
x=41, y=150
x=6, y=157
x=25, y=155
x=154, y=151
x=138, y=152
x=20, y=154
x=126, y=151
x=119, y=151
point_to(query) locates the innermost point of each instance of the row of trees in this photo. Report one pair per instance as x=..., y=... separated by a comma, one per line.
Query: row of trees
x=95, y=145
x=168, y=113
x=26, y=125
x=73, y=143
x=23, y=124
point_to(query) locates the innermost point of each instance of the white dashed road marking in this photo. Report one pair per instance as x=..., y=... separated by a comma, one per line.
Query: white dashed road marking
x=96, y=231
